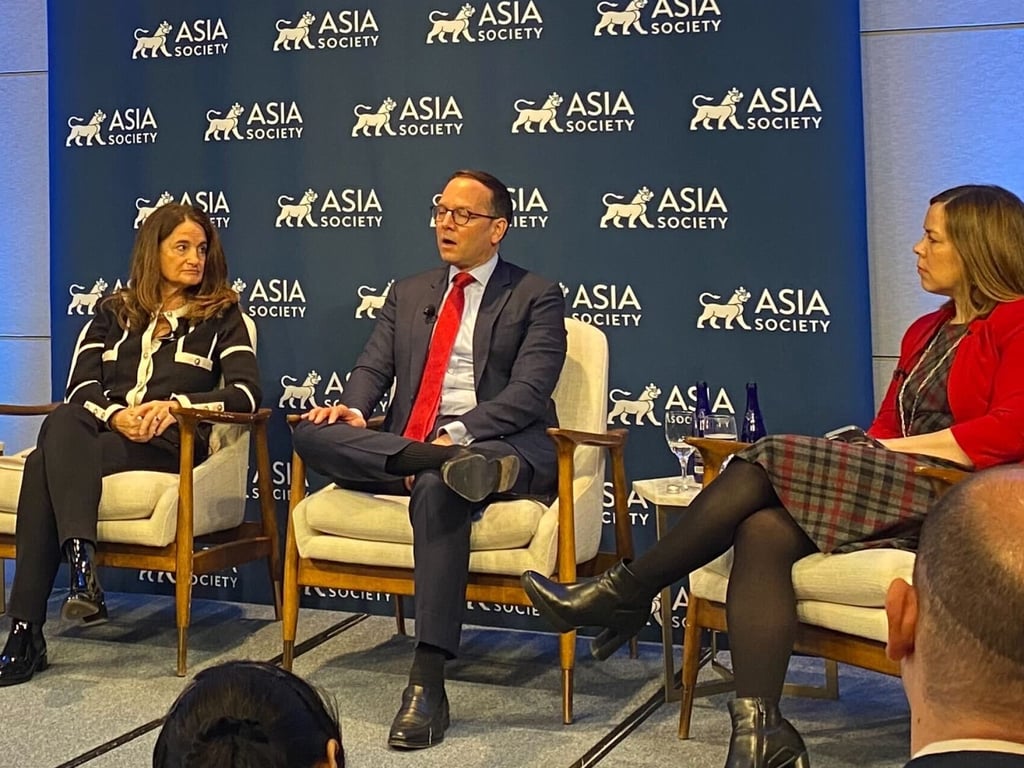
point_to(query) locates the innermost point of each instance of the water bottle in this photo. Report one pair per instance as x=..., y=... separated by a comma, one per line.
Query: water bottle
x=701, y=410
x=753, y=423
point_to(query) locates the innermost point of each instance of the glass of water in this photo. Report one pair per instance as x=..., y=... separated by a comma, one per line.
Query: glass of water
x=719, y=426
x=679, y=426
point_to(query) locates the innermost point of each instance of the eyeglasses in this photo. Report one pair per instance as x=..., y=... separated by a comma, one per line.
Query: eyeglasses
x=462, y=216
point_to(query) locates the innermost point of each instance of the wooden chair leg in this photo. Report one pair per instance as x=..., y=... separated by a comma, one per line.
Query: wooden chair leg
x=567, y=656
x=183, y=611
x=691, y=666
x=399, y=614
x=290, y=612
x=3, y=586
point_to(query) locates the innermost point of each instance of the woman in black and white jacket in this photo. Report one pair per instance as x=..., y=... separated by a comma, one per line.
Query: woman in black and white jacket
x=175, y=336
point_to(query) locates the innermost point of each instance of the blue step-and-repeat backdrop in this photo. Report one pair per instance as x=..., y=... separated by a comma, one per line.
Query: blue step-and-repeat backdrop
x=691, y=171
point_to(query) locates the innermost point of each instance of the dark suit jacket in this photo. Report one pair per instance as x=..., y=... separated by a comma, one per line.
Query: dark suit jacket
x=518, y=346
x=968, y=760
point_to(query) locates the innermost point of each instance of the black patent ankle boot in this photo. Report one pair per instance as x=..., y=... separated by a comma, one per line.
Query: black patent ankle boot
x=24, y=653
x=616, y=600
x=85, y=600
x=763, y=738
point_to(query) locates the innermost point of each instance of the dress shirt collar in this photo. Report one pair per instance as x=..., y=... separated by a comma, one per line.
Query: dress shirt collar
x=481, y=274
x=971, y=745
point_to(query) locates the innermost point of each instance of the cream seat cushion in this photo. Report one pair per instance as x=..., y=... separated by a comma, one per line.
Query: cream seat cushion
x=844, y=592
x=355, y=515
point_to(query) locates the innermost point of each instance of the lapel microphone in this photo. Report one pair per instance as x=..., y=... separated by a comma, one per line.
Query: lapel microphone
x=430, y=313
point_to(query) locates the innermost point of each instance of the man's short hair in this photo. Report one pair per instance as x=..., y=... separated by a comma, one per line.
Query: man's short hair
x=969, y=574
x=501, y=200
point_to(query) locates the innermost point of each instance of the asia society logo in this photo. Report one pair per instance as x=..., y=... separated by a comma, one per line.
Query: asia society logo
x=589, y=112
x=788, y=310
x=195, y=37
x=640, y=409
x=424, y=116
x=370, y=302
x=270, y=120
x=604, y=304
x=130, y=125
x=336, y=29
x=213, y=202
x=346, y=208
x=280, y=297
x=83, y=302
x=667, y=17
x=314, y=390
x=673, y=208
x=783, y=108
x=505, y=20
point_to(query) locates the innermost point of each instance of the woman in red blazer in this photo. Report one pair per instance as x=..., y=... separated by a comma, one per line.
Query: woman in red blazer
x=956, y=399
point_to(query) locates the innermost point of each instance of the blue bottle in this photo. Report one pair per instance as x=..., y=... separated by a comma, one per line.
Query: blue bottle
x=753, y=423
x=700, y=410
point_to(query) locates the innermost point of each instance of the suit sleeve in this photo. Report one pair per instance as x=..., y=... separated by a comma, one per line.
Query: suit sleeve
x=235, y=353
x=85, y=381
x=535, y=373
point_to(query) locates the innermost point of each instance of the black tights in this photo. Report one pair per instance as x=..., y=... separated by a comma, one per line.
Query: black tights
x=740, y=510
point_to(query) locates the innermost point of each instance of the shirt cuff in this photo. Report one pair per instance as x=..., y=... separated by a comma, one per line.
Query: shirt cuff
x=458, y=433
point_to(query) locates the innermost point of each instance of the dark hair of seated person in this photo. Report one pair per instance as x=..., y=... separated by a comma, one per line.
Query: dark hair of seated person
x=247, y=714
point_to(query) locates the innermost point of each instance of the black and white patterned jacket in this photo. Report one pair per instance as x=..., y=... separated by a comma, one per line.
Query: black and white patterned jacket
x=209, y=364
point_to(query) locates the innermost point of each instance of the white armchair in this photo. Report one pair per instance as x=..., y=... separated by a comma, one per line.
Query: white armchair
x=186, y=523
x=351, y=540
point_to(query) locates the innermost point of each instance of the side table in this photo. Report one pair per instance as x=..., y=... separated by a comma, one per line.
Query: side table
x=665, y=503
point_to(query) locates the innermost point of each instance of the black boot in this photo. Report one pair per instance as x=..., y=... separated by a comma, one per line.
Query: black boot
x=763, y=738
x=616, y=600
x=85, y=598
x=23, y=655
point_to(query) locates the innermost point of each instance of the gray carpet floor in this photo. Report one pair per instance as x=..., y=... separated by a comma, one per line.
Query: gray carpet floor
x=107, y=682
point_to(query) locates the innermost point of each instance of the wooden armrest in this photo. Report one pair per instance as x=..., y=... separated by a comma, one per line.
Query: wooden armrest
x=714, y=453
x=194, y=416
x=27, y=410
x=374, y=422
x=942, y=478
x=611, y=439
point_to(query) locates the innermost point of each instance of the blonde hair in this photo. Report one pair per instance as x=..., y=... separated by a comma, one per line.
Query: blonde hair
x=985, y=224
x=141, y=299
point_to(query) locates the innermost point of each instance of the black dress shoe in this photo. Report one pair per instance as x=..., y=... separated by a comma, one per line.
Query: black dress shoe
x=421, y=720
x=85, y=599
x=475, y=477
x=24, y=654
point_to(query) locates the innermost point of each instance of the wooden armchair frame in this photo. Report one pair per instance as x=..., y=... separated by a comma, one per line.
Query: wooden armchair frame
x=300, y=571
x=188, y=555
x=812, y=640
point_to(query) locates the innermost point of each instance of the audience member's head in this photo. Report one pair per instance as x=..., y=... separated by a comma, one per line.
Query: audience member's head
x=245, y=714
x=958, y=631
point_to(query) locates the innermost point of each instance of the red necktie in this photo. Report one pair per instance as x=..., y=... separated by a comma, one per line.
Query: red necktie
x=424, y=410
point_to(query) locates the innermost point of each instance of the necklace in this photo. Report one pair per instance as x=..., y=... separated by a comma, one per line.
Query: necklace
x=904, y=420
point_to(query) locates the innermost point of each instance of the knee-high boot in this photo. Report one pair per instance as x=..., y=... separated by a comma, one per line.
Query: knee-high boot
x=617, y=600
x=763, y=738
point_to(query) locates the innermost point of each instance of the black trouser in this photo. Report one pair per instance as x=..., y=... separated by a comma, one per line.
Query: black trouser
x=441, y=519
x=60, y=496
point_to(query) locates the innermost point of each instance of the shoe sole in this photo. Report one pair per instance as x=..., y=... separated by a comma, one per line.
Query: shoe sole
x=87, y=612
x=474, y=477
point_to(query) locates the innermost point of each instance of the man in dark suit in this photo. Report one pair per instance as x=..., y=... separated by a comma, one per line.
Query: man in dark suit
x=462, y=426
x=958, y=631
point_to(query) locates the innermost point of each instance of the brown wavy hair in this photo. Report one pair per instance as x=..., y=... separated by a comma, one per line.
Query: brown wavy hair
x=985, y=224
x=141, y=299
